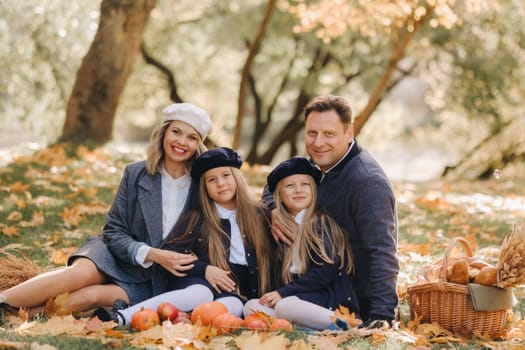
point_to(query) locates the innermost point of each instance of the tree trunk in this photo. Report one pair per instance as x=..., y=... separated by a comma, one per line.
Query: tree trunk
x=252, y=52
x=105, y=69
x=398, y=53
x=503, y=146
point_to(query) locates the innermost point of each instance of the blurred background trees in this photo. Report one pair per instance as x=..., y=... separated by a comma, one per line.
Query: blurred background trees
x=431, y=82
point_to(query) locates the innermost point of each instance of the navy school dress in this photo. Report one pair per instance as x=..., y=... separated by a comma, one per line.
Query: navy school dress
x=323, y=284
x=246, y=276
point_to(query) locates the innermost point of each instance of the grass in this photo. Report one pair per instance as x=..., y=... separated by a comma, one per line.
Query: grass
x=72, y=191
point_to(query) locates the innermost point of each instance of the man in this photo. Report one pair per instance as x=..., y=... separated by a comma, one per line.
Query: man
x=357, y=193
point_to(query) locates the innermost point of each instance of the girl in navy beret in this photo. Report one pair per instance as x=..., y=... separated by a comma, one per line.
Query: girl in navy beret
x=315, y=268
x=229, y=234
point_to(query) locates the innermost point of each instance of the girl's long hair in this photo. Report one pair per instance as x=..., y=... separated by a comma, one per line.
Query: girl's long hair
x=253, y=224
x=319, y=238
x=155, y=150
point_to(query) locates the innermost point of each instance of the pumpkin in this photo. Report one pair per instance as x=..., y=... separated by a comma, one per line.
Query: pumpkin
x=144, y=319
x=226, y=323
x=278, y=324
x=207, y=312
x=256, y=321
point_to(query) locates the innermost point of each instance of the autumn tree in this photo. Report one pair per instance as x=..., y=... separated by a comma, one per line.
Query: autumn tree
x=105, y=69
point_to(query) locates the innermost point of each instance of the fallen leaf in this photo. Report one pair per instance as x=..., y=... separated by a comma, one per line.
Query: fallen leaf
x=343, y=313
x=37, y=220
x=11, y=231
x=55, y=325
x=261, y=341
x=71, y=217
x=8, y=344
x=19, y=187
x=58, y=305
x=60, y=256
x=37, y=346
x=14, y=216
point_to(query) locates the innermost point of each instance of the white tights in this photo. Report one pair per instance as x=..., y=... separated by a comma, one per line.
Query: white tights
x=294, y=310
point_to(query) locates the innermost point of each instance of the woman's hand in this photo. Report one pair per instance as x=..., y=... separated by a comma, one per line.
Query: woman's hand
x=270, y=298
x=174, y=262
x=280, y=232
x=219, y=279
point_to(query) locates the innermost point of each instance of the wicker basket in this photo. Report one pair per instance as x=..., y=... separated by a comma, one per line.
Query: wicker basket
x=450, y=305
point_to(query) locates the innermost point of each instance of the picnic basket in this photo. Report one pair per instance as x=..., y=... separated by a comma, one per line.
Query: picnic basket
x=450, y=304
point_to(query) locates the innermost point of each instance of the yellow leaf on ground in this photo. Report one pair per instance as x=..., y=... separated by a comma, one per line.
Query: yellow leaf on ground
x=57, y=325
x=181, y=335
x=149, y=336
x=58, y=305
x=11, y=231
x=37, y=220
x=8, y=344
x=60, y=256
x=343, y=313
x=71, y=217
x=14, y=216
x=261, y=341
x=18, y=187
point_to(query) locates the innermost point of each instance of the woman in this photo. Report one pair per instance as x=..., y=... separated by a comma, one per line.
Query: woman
x=151, y=196
x=230, y=235
x=315, y=268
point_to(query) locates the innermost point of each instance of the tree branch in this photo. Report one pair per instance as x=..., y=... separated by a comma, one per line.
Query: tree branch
x=170, y=77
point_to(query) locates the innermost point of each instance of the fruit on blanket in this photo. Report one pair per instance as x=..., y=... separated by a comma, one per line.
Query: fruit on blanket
x=459, y=272
x=207, y=312
x=278, y=324
x=144, y=319
x=167, y=311
x=183, y=317
x=256, y=321
x=487, y=276
x=226, y=323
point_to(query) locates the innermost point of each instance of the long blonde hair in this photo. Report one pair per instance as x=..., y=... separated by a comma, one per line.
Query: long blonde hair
x=155, y=151
x=253, y=223
x=318, y=236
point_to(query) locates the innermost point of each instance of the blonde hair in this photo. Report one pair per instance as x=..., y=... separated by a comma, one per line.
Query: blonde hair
x=155, y=151
x=318, y=236
x=253, y=224
x=253, y=221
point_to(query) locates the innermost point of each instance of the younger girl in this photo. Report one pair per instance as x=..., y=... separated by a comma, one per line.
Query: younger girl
x=315, y=268
x=230, y=236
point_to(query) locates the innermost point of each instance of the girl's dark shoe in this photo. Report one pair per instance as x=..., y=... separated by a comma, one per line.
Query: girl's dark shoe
x=5, y=307
x=106, y=314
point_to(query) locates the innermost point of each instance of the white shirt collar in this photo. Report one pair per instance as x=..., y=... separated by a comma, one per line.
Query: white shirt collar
x=225, y=213
x=299, y=217
x=343, y=157
x=182, y=181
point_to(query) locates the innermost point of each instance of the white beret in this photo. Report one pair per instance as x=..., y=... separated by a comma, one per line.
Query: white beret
x=189, y=114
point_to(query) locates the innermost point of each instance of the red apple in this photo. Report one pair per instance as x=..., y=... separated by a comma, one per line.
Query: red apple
x=167, y=311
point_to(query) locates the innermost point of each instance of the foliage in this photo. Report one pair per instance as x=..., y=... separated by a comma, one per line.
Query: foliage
x=468, y=55
x=41, y=46
x=55, y=182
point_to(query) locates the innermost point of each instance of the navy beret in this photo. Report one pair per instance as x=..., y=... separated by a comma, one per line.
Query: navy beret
x=292, y=166
x=214, y=158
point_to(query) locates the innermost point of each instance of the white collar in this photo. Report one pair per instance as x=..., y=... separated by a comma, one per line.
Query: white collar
x=225, y=213
x=343, y=157
x=300, y=216
x=182, y=181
